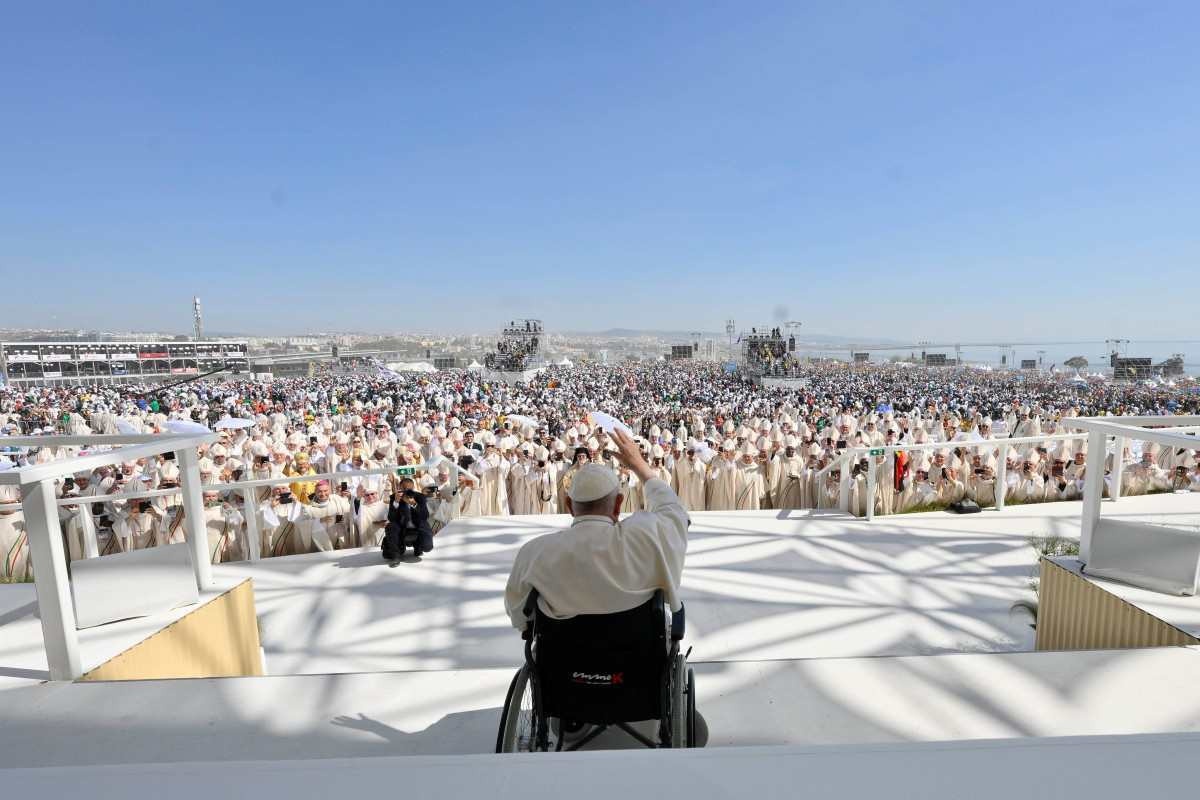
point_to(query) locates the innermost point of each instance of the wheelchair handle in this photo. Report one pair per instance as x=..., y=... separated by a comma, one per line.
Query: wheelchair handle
x=678, y=624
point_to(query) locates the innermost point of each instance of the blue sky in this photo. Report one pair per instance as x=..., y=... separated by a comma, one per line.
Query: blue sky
x=1004, y=170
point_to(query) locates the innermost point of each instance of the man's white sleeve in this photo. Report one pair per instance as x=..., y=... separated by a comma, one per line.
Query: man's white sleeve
x=516, y=592
x=672, y=518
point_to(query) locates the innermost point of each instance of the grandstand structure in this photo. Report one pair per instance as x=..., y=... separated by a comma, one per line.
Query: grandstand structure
x=139, y=361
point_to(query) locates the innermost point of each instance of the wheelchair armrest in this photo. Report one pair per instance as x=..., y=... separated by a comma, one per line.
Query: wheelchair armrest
x=530, y=612
x=677, y=624
x=531, y=603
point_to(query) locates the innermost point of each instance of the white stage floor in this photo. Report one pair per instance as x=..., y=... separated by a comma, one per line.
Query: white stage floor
x=807, y=702
x=1097, y=768
x=789, y=616
x=758, y=585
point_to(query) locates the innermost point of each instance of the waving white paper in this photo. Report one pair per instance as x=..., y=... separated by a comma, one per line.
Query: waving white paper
x=185, y=426
x=608, y=423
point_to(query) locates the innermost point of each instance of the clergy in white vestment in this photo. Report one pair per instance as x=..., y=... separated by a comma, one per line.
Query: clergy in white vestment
x=752, y=486
x=723, y=480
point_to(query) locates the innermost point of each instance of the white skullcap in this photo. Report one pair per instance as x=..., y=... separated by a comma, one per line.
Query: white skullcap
x=592, y=482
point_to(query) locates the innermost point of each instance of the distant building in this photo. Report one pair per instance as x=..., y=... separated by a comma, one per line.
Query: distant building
x=59, y=363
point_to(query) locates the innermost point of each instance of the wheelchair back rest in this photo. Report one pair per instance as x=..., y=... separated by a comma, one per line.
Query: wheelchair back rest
x=603, y=668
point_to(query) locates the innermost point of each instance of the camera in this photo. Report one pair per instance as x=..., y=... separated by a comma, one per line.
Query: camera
x=343, y=486
x=286, y=498
x=312, y=440
x=68, y=483
x=143, y=506
x=541, y=462
x=237, y=474
x=263, y=460
x=169, y=455
x=429, y=491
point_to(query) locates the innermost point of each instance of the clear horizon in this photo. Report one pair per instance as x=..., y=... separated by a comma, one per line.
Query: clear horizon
x=891, y=172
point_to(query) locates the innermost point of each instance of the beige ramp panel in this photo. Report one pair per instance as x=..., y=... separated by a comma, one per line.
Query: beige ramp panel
x=217, y=640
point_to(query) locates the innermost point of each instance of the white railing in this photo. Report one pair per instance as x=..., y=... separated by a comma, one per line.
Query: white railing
x=1001, y=446
x=91, y=546
x=39, y=505
x=1174, y=431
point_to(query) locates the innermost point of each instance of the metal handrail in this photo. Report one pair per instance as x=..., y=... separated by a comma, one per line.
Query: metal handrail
x=257, y=482
x=1002, y=445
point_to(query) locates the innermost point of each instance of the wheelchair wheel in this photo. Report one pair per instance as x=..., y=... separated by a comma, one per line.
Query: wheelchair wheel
x=691, y=708
x=518, y=731
x=681, y=733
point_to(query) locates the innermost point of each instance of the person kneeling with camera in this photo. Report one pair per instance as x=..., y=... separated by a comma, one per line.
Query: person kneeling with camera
x=408, y=523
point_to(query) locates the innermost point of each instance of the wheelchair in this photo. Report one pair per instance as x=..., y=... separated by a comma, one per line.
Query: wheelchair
x=595, y=671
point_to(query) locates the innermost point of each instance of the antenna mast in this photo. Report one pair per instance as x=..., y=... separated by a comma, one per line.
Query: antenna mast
x=197, y=319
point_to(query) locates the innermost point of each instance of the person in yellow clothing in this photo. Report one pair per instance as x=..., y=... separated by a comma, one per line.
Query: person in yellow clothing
x=301, y=490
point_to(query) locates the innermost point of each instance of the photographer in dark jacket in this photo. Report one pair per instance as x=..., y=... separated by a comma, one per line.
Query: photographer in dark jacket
x=407, y=523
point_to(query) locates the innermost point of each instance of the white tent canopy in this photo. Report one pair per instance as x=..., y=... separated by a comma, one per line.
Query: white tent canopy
x=566, y=362
x=475, y=366
x=412, y=366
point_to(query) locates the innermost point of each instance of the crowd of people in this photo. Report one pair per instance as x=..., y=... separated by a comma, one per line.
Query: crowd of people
x=475, y=448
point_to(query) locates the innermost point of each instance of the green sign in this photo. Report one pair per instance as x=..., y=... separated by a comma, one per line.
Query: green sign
x=402, y=471
x=878, y=451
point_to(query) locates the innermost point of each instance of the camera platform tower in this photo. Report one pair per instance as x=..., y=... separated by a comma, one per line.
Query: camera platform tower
x=518, y=355
x=768, y=357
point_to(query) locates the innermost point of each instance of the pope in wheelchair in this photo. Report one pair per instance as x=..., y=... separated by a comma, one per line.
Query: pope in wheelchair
x=598, y=607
